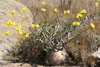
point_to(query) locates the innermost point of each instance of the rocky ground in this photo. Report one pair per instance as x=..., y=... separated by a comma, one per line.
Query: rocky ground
x=6, y=41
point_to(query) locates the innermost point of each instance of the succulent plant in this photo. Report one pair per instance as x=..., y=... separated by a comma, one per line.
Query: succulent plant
x=52, y=35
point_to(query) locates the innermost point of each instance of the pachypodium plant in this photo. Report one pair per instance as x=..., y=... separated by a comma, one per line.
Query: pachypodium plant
x=53, y=35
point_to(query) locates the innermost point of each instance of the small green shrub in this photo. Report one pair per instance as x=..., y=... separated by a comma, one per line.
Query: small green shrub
x=52, y=35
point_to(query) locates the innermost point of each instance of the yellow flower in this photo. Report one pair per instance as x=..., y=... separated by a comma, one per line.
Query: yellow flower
x=23, y=10
x=92, y=25
x=37, y=25
x=79, y=15
x=66, y=11
x=27, y=35
x=19, y=27
x=10, y=22
x=76, y=23
x=96, y=4
x=13, y=12
x=33, y=25
x=43, y=2
x=43, y=9
x=83, y=11
x=13, y=23
x=20, y=32
x=6, y=32
x=56, y=10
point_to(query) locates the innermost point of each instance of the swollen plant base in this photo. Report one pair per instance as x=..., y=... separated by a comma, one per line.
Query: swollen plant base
x=56, y=57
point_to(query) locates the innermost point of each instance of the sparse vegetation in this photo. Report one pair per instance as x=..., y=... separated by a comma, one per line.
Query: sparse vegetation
x=61, y=24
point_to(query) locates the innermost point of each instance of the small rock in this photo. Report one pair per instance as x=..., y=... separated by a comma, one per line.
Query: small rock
x=96, y=54
x=56, y=58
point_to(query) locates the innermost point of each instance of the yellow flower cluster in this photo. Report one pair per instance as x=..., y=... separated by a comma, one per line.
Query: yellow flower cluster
x=80, y=14
x=23, y=10
x=20, y=32
x=43, y=9
x=66, y=11
x=14, y=11
x=92, y=25
x=35, y=25
x=10, y=22
x=18, y=27
x=76, y=23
